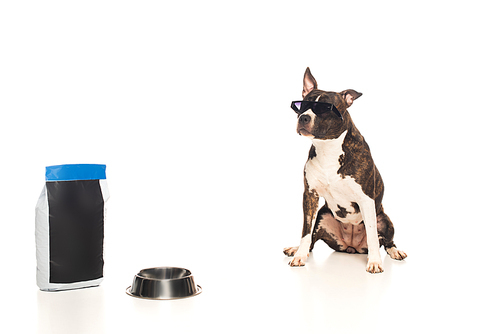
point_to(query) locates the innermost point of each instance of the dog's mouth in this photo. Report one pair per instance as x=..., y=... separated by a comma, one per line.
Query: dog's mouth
x=303, y=132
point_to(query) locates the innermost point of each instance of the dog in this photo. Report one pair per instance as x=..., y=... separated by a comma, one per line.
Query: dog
x=341, y=170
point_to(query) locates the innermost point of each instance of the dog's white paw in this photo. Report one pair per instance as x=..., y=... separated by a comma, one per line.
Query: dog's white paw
x=396, y=254
x=374, y=267
x=290, y=251
x=298, y=261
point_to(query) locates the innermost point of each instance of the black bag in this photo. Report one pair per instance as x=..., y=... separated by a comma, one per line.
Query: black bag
x=70, y=227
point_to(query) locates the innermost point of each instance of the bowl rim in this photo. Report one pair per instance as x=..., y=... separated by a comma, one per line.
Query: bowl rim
x=190, y=274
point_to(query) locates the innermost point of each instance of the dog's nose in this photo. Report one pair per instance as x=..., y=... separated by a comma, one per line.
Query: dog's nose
x=304, y=119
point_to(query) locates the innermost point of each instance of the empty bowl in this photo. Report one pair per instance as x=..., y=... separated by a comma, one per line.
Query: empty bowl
x=163, y=283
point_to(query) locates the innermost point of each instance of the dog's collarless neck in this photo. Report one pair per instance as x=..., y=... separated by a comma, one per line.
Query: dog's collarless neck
x=319, y=143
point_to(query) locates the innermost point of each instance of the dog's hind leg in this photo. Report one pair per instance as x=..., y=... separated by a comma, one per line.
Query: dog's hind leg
x=290, y=251
x=319, y=232
x=325, y=229
x=385, y=230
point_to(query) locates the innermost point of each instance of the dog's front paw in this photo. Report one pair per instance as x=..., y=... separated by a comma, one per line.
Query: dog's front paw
x=374, y=267
x=290, y=251
x=298, y=261
x=396, y=254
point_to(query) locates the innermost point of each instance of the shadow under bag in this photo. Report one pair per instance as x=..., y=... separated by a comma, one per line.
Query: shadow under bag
x=70, y=227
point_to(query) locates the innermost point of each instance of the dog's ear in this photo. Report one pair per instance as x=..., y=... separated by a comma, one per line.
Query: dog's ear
x=349, y=96
x=309, y=83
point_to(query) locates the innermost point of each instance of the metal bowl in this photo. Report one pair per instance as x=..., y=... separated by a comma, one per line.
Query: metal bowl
x=163, y=283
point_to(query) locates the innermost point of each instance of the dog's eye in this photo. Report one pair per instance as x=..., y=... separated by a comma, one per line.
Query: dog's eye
x=321, y=109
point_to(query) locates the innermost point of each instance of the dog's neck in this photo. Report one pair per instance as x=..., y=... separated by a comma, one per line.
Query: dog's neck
x=328, y=150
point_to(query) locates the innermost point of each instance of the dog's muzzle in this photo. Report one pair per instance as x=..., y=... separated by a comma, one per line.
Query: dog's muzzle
x=304, y=125
x=304, y=120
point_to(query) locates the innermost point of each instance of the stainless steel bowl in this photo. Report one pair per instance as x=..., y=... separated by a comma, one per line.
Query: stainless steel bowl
x=163, y=283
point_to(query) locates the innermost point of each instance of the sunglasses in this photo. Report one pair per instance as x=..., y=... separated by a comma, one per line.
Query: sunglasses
x=317, y=107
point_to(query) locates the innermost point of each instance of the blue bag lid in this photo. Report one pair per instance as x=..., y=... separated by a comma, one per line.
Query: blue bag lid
x=75, y=172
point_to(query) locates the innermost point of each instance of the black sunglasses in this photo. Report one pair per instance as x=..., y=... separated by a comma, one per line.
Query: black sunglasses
x=318, y=108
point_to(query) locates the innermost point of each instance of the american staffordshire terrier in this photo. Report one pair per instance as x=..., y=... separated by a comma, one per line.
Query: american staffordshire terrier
x=340, y=169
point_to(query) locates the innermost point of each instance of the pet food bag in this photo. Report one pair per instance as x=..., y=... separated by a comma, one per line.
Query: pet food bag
x=69, y=227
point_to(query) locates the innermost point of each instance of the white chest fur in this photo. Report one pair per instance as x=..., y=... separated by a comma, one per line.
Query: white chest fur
x=322, y=176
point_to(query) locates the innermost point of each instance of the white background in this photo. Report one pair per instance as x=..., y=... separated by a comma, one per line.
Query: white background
x=187, y=103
